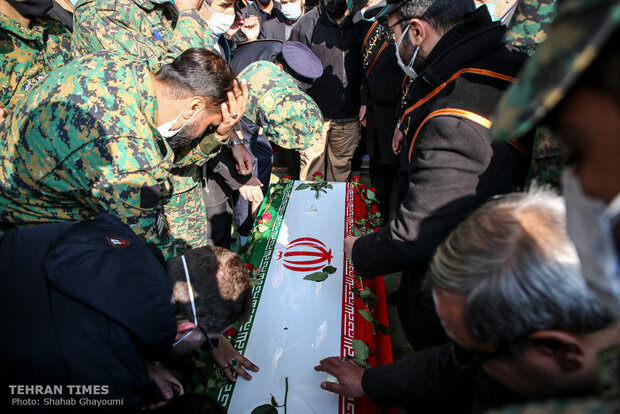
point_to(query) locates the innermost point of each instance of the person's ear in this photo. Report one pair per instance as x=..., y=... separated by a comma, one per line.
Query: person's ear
x=195, y=105
x=564, y=348
x=418, y=31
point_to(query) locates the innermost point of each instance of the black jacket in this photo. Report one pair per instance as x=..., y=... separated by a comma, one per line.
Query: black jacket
x=432, y=381
x=454, y=167
x=338, y=46
x=82, y=303
x=381, y=92
x=275, y=18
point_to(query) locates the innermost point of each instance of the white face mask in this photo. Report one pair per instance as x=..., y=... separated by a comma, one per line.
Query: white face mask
x=292, y=11
x=408, y=69
x=164, y=129
x=219, y=23
x=590, y=225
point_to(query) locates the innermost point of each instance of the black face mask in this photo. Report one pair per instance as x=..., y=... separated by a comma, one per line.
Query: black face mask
x=31, y=8
x=336, y=8
x=264, y=2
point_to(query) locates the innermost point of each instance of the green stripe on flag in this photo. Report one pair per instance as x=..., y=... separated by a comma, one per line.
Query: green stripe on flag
x=258, y=252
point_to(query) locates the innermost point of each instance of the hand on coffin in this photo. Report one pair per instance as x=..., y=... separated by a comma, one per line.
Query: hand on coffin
x=225, y=353
x=348, y=245
x=348, y=374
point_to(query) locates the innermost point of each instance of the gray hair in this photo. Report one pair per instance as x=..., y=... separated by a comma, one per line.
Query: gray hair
x=442, y=15
x=513, y=260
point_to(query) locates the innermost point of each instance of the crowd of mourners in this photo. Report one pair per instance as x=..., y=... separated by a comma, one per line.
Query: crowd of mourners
x=134, y=133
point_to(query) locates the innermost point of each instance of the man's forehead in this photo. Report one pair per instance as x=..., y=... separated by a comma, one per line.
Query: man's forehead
x=223, y=3
x=451, y=307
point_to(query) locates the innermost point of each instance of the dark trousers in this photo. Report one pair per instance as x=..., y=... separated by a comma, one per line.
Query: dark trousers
x=260, y=149
x=382, y=178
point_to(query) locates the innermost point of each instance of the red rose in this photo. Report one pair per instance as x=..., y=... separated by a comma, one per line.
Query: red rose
x=317, y=174
x=286, y=177
x=249, y=266
x=355, y=179
x=266, y=217
x=230, y=332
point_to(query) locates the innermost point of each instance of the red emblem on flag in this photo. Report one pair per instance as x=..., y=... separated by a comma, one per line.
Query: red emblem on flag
x=306, y=254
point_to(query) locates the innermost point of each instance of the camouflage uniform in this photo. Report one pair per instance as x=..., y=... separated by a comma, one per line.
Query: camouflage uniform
x=84, y=141
x=144, y=29
x=529, y=29
x=573, y=42
x=28, y=54
x=156, y=34
x=289, y=117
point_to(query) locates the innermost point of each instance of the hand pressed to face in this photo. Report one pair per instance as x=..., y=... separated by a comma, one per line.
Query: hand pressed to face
x=348, y=374
x=233, y=110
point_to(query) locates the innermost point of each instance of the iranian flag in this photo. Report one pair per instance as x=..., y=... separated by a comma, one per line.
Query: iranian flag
x=308, y=303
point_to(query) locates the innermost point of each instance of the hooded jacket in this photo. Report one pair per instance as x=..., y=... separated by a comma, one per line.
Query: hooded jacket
x=339, y=48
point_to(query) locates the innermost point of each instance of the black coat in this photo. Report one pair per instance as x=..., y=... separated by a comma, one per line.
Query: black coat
x=82, y=303
x=381, y=92
x=454, y=167
x=338, y=47
x=432, y=381
x=275, y=18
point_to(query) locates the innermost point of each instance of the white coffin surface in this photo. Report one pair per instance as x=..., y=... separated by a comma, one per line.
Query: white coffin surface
x=298, y=322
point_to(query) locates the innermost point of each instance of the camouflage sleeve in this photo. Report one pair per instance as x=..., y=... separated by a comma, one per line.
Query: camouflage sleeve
x=104, y=30
x=126, y=189
x=191, y=31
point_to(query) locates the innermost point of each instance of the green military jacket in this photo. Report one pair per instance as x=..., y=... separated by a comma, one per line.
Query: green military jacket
x=154, y=33
x=28, y=54
x=146, y=30
x=288, y=116
x=83, y=141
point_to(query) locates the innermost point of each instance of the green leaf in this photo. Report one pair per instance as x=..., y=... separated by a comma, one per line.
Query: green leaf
x=360, y=349
x=365, y=315
x=368, y=295
x=274, y=403
x=355, y=292
x=317, y=276
x=263, y=228
x=286, y=181
x=302, y=186
x=359, y=362
x=356, y=232
x=199, y=364
x=258, y=236
x=370, y=194
x=329, y=186
x=329, y=269
x=200, y=389
x=264, y=409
